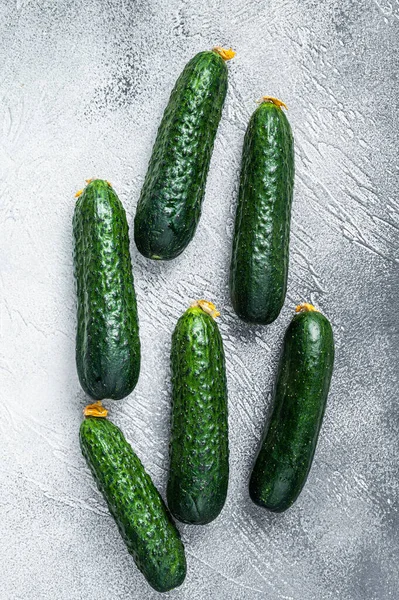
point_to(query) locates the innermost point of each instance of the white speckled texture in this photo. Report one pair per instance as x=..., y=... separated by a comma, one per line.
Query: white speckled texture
x=82, y=90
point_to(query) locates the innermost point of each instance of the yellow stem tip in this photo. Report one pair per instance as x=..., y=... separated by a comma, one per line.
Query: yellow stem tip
x=224, y=53
x=273, y=100
x=207, y=307
x=305, y=307
x=95, y=410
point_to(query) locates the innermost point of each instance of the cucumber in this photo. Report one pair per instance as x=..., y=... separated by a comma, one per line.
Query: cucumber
x=304, y=375
x=169, y=207
x=199, y=451
x=107, y=341
x=259, y=264
x=143, y=520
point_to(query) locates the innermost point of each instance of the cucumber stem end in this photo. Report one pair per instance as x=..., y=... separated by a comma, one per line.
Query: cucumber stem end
x=305, y=307
x=207, y=307
x=224, y=53
x=95, y=410
x=273, y=100
x=80, y=192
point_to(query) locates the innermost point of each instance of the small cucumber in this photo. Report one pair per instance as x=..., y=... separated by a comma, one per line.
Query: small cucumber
x=303, y=381
x=169, y=207
x=143, y=520
x=199, y=452
x=259, y=264
x=107, y=341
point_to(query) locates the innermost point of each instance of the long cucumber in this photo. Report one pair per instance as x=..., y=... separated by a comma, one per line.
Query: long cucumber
x=199, y=450
x=143, y=520
x=303, y=381
x=107, y=340
x=170, y=204
x=259, y=264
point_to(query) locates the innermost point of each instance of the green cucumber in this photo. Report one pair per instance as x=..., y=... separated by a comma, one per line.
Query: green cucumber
x=259, y=264
x=107, y=340
x=199, y=451
x=143, y=520
x=169, y=207
x=286, y=453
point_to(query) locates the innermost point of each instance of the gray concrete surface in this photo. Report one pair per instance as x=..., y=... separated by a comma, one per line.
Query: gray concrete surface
x=82, y=90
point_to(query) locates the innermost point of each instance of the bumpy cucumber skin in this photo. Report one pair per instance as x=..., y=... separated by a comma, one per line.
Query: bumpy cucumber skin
x=169, y=207
x=107, y=341
x=259, y=265
x=199, y=452
x=289, y=444
x=143, y=520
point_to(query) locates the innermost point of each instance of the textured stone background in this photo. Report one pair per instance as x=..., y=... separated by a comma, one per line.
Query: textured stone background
x=82, y=90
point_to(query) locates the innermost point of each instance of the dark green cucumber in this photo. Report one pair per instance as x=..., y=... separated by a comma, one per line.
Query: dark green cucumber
x=143, y=520
x=169, y=207
x=107, y=341
x=303, y=381
x=259, y=264
x=199, y=452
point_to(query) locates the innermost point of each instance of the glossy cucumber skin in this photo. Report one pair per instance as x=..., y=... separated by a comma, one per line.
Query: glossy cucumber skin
x=169, y=207
x=303, y=381
x=199, y=451
x=107, y=341
x=143, y=520
x=259, y=264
